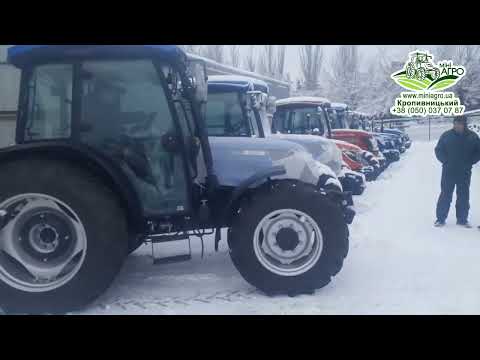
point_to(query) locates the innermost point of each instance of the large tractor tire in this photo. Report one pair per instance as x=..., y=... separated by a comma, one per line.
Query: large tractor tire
x=289, y=239
x=63, y=239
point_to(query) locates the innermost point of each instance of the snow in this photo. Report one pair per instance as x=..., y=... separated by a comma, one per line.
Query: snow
x=237, y=78
x=339, y=106
x=398, y=262
x=303, y=99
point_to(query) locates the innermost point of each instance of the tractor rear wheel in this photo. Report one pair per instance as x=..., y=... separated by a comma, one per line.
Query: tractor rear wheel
x=63, y=237
x=289, y=240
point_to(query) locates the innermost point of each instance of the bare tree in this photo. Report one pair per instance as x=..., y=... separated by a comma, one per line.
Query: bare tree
x=379, y=90
x=192, y=49
x=281, y=62
x=346, y=79
x=444, y=52
x=250, y=60
x=311, y=58
x=468, y=88
x=214, y=52
x=267, y=62
x=234, y=52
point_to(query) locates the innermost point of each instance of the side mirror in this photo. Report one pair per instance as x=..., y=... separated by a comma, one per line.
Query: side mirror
x=258, y=99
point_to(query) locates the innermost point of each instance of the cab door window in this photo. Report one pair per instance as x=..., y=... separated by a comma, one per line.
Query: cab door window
x=126, y=114
x=226, y=117
x=49, y=102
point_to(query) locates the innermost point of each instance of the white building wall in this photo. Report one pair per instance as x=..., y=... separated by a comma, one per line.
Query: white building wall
x=9, y=87
x=7, y=133
x=9, y=83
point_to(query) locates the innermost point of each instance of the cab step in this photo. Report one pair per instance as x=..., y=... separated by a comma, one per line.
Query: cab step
x=156, y=239
x=172, y=259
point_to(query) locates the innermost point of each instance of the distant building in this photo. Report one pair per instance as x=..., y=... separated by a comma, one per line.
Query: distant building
x=279, y=89
x=9, y=87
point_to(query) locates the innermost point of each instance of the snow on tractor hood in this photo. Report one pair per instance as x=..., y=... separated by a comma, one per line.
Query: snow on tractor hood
x=236, y=159
x=322, y=149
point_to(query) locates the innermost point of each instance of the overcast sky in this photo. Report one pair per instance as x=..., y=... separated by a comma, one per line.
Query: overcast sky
x=292, y=61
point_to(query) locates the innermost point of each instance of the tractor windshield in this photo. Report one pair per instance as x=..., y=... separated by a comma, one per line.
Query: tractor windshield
x=229, y=115
x=300, y=120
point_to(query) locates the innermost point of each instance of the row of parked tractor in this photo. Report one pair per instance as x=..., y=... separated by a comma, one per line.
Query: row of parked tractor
x=122, y=145
x=335, y=136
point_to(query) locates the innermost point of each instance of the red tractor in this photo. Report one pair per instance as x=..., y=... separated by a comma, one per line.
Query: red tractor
x=365, y=141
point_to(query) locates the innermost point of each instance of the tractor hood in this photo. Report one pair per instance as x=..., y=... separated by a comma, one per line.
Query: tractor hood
x=236, y=159
x=322, y=149
x=343, y=145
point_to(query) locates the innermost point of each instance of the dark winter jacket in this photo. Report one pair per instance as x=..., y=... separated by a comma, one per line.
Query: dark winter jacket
x=458, y=152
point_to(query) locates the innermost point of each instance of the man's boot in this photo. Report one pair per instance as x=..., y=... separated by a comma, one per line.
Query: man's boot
x=440, y=223
x=465, y=224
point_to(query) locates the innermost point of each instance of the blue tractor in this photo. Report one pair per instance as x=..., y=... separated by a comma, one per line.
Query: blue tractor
x=112, y=152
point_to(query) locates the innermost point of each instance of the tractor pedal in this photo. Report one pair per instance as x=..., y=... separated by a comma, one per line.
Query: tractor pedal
x=172, y=259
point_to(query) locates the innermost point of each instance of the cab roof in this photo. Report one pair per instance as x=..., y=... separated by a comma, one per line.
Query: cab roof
x=242, y=81
x=25, y=55
x=339, y=106
x=219, y=87
x=308, y=100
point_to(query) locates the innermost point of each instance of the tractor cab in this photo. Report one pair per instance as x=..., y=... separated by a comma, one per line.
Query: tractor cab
x=131, y=108
x=338, y=113
x=302, y=115
x=358, y=120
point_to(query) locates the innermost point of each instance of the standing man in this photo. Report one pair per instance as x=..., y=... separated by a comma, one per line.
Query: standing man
x=458, y=149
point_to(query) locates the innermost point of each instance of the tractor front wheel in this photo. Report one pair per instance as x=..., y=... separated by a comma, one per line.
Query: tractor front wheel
x=289, y=239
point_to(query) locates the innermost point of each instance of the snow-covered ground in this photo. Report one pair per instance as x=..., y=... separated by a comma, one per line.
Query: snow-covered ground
x=398, y=262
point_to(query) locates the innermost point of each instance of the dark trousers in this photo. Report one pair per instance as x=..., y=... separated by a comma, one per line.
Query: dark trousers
x=450, y=180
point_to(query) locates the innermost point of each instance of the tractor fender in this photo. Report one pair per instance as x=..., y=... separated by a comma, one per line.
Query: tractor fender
x=91, y=160
x=251, y=182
